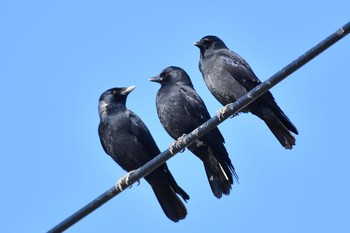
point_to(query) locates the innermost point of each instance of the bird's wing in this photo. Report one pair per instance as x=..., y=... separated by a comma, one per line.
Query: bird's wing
x=195, y=107
x=140, y=130
x=104, y=138
x=239, y=69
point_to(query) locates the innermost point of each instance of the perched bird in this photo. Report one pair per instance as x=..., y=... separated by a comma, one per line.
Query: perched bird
x=127, y=140
x=228, y=77
x=181, y=110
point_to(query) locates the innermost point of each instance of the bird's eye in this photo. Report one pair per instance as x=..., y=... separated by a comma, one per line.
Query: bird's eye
x=164, y=74
x=206, y=44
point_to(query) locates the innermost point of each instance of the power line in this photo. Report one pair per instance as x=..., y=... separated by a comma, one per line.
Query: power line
x=184, y=141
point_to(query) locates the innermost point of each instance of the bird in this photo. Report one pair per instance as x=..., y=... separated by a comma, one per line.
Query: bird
x=181, y=110
x=228, y=77
x=128, y=141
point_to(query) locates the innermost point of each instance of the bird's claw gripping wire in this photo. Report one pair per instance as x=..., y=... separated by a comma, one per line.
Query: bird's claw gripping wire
x=221, y=113
x=176, y=143
x=124, y=180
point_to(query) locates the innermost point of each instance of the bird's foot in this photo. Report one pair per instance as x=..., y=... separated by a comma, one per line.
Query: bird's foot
x=124, y=180
x=138, y=182
x=176, y=143
x=221, y=113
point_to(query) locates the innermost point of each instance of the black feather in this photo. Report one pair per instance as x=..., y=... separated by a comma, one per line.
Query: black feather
x=181, y=110
x=228, y=77
x=128, y=141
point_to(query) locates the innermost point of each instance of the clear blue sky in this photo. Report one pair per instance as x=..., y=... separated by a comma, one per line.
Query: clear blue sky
x=57, y=57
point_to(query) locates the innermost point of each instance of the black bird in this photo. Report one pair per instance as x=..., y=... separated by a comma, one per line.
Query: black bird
x=127, y=140
x=228, y=77
x=181, y=110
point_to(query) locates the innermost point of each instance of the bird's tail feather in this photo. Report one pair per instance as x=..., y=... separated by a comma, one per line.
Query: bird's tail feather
x=174, y=185
x=219, y=174
x=218, y=180
x=279, y=125
x=171, y=204
x=286, y=122
x=165, y=188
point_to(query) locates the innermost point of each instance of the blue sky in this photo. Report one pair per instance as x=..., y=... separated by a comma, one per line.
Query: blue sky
x=57, y=57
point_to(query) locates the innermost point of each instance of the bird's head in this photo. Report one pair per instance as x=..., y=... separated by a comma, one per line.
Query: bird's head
x=172, y=75
x=210, y=42
x=113, y=97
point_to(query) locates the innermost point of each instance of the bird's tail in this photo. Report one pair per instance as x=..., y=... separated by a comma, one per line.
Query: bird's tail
x=218, y=180
x=172, y=206
x=165, y=189
x=174, y=185
x=279, y=124
x=220, y=175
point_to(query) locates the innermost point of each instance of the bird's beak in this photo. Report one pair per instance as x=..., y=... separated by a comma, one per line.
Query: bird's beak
x=198, y=44
x=127, y=90
x=156, y=79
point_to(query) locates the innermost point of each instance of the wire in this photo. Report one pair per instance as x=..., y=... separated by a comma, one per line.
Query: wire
x=184, y=141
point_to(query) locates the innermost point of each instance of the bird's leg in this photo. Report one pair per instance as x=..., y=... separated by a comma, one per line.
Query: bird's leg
x=124, y=180
x=176, y=143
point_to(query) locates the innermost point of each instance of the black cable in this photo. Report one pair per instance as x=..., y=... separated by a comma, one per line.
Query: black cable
x=186, y=140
